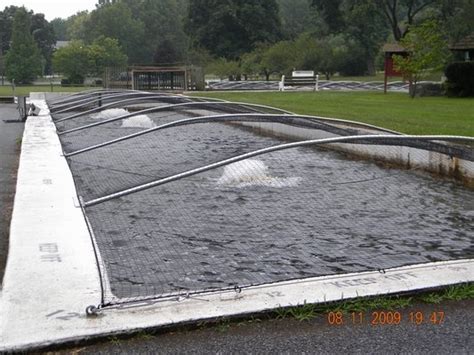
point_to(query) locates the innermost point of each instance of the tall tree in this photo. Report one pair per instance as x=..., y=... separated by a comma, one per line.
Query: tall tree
x=296, y=17
x=229, y=28
x=23, y=60
x=73, y=61
x=164, y=31
x=60, y=29
x=76, y=26
x=77, y=59
x=428, y=50
x=115, y=20
x=399, y=15
x=402, y=14
x=6, y=22
x=331, y=12
x=45, y=38
x=359, y=19
x=457, y=17
x=367, y=27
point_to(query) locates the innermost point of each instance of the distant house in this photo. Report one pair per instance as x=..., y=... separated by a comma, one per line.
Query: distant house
x=465, y=45
x=61, y=44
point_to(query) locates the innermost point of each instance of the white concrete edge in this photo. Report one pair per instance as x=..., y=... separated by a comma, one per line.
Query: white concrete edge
x=413, y=158
x=75, y=327
x=51, y=275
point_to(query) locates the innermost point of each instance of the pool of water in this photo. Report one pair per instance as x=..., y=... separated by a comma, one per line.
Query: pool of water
x=290, y=214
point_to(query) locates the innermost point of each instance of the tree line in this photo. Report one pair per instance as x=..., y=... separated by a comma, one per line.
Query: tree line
x=229, y=37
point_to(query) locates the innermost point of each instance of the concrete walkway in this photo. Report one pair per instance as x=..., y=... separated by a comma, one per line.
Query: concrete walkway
x=10, y=136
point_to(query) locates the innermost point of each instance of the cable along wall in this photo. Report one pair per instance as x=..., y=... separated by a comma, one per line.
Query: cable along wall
x=201, y=204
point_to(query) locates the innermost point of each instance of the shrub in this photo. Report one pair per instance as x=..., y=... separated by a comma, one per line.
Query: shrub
x=460, y=77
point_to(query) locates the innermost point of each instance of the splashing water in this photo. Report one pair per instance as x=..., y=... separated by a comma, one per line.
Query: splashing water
x=253, y=172
x=110, y=113
x=141, y=121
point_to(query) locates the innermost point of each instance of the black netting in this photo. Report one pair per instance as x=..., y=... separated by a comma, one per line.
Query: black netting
x=295, y=213
x=285, y=215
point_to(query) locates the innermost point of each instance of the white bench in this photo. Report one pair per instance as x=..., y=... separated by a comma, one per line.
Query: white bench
x=300, y=78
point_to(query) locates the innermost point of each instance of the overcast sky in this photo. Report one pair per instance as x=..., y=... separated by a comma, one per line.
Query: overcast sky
x=52, y=8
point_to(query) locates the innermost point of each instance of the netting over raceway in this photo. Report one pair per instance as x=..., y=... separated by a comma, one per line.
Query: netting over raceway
x=189, y=195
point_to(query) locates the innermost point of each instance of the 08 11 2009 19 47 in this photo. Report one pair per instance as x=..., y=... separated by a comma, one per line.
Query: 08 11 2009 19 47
x=382, y=318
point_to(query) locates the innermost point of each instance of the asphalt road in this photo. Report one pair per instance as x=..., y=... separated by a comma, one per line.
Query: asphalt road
x=455, y=335
x=10, y=133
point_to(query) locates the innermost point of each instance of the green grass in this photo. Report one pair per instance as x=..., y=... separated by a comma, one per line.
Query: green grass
x=396, y=111
x=25, y=90
x=388, y=303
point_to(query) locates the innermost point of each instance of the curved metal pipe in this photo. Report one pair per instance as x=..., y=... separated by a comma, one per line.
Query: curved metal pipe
x=120, y=102
x=167, y=107
x=251, y=117
x=350, y=139
x=80, y=95
x=85, y=102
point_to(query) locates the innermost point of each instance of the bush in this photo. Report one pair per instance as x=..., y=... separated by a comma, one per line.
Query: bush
x=460, y=77
x=75, y=80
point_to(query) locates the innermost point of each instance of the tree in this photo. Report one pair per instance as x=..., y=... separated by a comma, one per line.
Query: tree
x=224, y=68
x=78, y=60
x=73, y=61
x=456, y=17
x=115, y=20
x=6, y=22
x=428, y=52
x=60, y=29
x=23, y=60
x=229, y=28
x=296, y=17
x=145, y=29
x=331, y=13
x=279, y=58
x=402, y=14
x=367, y=28
x=76, y=26
x=105, y=52
x=45, y=38
x=333, y=51
x=164, y=30
x=360, y=20
x=167, y=53
x=252, y=63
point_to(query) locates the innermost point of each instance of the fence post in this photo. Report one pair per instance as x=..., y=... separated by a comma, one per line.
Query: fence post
x=281, y=84
x=317, y=83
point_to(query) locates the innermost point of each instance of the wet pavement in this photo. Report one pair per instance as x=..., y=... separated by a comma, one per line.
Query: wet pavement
x=10, y=138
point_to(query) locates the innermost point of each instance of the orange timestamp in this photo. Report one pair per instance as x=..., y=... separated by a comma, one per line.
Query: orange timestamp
x=381, y=318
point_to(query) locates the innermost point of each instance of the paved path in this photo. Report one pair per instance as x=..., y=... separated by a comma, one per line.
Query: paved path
x=10, y=133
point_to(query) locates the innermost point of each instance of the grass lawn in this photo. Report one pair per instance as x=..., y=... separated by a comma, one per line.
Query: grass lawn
x=396, y=111
x=25, y=90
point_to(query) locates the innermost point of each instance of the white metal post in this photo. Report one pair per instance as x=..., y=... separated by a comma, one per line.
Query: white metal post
x=281, y=84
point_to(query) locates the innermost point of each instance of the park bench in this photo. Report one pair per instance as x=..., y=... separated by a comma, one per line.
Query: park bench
x=300, y=78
